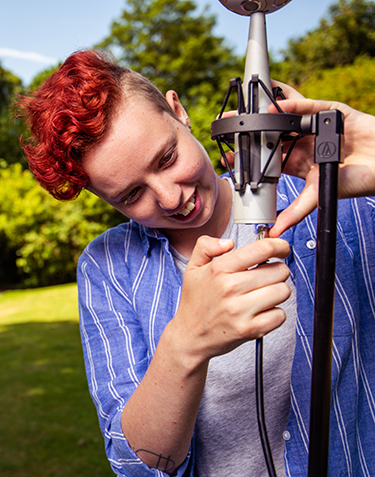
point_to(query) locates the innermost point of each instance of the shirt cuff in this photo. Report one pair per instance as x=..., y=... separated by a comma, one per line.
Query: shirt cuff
x=125, y=462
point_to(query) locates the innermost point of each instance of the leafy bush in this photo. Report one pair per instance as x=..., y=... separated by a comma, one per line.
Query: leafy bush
x=46, y=236
x=351, y=84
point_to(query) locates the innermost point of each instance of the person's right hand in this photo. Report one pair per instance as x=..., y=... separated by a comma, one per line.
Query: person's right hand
x=356, y=174
x=223, y=303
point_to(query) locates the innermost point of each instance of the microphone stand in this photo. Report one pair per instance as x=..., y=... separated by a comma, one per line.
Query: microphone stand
x=327, y=154
x=327, y=126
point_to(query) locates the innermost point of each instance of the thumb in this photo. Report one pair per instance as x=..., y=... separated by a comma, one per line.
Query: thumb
x=208, y=248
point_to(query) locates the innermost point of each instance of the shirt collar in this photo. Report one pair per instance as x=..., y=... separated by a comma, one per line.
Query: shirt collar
x=147, y=233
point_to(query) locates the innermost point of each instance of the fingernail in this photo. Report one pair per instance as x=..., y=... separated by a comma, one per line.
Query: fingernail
x=224, y=242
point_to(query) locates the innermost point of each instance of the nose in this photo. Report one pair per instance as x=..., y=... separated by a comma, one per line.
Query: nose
x=168, y=195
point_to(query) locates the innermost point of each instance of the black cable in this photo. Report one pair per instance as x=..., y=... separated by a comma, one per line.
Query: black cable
x=260, y=408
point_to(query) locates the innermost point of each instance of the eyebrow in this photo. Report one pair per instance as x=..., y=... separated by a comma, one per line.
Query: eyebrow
x=169, y=144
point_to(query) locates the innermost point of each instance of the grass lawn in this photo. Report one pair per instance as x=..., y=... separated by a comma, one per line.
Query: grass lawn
x=48, y=423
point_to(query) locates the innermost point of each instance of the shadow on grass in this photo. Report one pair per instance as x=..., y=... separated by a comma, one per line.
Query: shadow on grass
x=48, y=423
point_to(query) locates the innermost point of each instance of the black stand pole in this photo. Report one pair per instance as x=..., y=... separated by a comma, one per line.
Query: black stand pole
x=328, y=154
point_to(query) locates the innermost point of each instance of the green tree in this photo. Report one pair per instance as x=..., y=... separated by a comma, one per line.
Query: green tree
x=347, y=31
x=351, y=84
x=171, y=44
x=10, y=129
x=41, y=238
x=40, y=77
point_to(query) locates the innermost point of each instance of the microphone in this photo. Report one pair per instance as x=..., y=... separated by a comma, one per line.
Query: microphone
x=258, y=153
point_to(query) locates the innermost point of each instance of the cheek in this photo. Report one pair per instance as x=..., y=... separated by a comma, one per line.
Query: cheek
x=196, y=167
x=143, y=213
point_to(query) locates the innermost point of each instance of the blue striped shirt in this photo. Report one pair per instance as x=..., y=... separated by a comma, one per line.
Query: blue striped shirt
x=129, y=289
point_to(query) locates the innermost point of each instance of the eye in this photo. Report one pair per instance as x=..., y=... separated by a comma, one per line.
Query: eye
x=131, y=196
x=169, y=157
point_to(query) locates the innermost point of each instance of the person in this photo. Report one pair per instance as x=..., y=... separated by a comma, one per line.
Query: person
x=171, y=302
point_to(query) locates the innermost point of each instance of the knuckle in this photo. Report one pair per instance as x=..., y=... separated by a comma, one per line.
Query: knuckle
x=284, y=291
x=202, y=241
x=283, y=270
x=217, y=268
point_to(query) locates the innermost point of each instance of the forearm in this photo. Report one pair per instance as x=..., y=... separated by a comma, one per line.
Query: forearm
x=223, y=304
x=158, y=420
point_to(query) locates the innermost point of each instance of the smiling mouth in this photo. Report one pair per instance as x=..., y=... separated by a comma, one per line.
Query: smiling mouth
x=189, y=207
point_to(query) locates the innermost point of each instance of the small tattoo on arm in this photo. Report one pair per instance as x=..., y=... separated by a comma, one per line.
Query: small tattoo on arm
x=162, y=463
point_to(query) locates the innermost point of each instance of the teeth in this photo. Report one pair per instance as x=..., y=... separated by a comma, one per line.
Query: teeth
x=188, y=207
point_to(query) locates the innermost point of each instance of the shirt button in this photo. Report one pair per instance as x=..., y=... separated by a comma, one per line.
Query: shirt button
x=286, y=436
x=311, y=244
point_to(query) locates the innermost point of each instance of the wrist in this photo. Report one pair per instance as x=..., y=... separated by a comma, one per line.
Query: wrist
x=180, y=349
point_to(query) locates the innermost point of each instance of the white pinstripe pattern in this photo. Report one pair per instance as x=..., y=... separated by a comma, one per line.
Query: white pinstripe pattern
x=120, y=462
x=287, y=469
x=155, y=302
x=178, y=299
x=127, y=335
x=87, y=343
x=369, y=395
x=105, y=343
x=138, y=279
x=342, y=430
x=127, y=241
x=370, y=201
x=362, y=459
x=87, y=252
x=110, y=267
x=302, y=332
x=340, y=292
x=365, y=265
x=300, y=422
x=94, y=384
x=343, y=238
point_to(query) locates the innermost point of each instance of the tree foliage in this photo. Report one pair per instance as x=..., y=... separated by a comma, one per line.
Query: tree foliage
x=40, y=77
x=10, y=129
x=173, y=46
x=45, y=237
x=351, y=84
x=169, y=43
x=346, y=32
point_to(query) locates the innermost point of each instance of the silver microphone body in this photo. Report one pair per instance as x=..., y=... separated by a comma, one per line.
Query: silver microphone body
x=258, y=206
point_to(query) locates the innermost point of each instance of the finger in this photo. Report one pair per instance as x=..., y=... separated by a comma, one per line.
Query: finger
x=266, y=322
x=227, y=114
x=305, y=106
x=300, y=208
x=206, y=249
x=266, y=298
x=262, y=276
x=230, y=159
x=250, y=255
x=288, y=91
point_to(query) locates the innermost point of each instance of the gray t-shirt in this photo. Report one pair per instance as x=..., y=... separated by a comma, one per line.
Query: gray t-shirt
x=227, y=440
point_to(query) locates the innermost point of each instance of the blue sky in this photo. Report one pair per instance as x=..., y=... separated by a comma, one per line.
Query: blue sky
x=37, y=33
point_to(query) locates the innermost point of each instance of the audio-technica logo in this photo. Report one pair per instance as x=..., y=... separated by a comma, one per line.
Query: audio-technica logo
x=326, y=149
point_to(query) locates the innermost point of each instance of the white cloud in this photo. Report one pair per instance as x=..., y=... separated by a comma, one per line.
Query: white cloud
x=27, y=55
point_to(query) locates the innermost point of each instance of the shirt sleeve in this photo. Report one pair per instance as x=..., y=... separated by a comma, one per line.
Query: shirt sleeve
x=115, y=355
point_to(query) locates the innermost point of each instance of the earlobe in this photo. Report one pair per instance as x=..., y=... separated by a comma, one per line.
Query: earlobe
x=177, y=108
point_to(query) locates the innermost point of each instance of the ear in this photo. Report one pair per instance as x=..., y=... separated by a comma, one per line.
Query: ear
x=177, y=108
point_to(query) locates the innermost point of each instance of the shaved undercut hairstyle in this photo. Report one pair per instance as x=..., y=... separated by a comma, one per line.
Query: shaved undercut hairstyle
x=70, y=113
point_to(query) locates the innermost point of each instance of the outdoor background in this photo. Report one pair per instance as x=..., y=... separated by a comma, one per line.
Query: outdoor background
x=48, y=424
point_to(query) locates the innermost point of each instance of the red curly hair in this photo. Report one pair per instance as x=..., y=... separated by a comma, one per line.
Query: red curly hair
x=70, y=113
